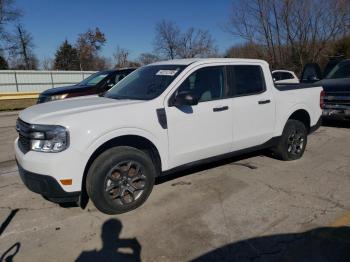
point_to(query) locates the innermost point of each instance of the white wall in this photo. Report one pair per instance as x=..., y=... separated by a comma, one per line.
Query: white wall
x=38, y=81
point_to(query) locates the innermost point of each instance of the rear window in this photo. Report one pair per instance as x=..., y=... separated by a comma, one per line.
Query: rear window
x=286, y=75
x=282, y=76
x=245, y=80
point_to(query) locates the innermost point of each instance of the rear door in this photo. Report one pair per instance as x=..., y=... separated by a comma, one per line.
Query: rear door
x=203, y=130
x=253, y=106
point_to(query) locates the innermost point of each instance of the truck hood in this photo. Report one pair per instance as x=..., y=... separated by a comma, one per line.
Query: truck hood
x=66, y=89
x=52, y=112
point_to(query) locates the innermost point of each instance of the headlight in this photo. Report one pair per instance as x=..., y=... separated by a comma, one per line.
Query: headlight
x=44, y=138
x=54, y=139
x=58, y=97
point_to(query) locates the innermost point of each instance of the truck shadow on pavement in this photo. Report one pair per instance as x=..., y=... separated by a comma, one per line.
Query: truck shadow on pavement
x=112, y=245
x=321, y=244
x=335, y=123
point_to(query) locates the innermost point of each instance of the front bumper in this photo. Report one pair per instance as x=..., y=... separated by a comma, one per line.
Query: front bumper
x=69, y=164
x=46, y=186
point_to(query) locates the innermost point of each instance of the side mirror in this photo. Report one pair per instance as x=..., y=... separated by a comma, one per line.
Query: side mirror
x=185, y=98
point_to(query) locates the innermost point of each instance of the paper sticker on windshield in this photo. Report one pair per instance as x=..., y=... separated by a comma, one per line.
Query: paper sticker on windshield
x=166, y=72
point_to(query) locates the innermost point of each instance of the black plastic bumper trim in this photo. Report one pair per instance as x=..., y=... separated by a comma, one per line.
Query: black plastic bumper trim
x=46, y=186
x=317, y=126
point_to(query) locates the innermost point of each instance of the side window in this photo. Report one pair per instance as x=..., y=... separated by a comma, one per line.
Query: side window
x=206, y=83
x=245, y=80
x=286, y=75
x=276, y=76
x=118, y=77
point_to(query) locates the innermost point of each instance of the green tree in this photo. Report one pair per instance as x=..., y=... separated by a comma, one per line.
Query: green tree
x=66, y=57
x=3, y=63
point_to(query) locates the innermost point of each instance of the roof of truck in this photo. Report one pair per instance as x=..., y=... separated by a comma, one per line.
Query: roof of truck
x=206, y=60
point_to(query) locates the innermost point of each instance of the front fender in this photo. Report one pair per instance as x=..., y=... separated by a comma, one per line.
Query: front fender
x=160, y=143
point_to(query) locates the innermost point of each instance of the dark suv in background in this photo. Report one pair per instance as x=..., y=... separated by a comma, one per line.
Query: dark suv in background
x=335, y=80
x=97, y=83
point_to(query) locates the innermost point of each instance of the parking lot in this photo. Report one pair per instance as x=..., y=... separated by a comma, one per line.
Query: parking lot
x=252, y=208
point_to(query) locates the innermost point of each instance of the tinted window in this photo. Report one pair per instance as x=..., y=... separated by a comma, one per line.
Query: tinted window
x=286, y=75
x=245, y=80
x=342, y=70
x=206, y=83
x=311, y=72
x=277, y=76
x=145, y=83
x=119, y=76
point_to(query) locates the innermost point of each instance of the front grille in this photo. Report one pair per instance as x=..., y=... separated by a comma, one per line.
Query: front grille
x=23, y=130
x=23, y=144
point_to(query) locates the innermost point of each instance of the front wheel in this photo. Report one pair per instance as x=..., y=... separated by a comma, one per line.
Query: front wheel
x=292, y=143
x=120, y=179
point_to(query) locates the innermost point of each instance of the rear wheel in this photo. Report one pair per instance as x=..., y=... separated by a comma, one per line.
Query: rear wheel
x=120, y=179
x=293, y=141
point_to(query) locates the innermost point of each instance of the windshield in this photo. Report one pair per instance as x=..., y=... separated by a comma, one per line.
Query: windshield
x=94, y=79
x=341, y=70
x=145, y=83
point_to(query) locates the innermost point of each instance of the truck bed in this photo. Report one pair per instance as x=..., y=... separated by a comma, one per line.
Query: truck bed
x=287, y=87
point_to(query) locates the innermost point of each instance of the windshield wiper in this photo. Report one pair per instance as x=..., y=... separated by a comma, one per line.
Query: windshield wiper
x=125, y=97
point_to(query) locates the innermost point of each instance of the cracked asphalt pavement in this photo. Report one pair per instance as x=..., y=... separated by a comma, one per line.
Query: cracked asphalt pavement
x=251, y=208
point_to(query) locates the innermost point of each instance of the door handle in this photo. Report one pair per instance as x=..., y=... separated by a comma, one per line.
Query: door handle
x=262, y=102
x=218, y=109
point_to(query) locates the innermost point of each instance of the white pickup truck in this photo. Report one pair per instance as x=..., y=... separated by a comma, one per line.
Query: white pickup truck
x=161, y=118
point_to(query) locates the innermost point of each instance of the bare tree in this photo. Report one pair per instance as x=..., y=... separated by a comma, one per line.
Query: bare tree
x=246, y=50
x=293, y=32
x=8, y=13
x=195, y=43
x=171, y=43
x=148, y=58
x=47, y=63
x=21, y=50
x=121, y=57
x=167, y=39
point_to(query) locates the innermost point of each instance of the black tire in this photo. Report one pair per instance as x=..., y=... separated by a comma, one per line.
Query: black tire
x=292, y=143
x=113, y=176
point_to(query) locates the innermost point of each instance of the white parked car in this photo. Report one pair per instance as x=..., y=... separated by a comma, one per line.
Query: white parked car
x=162, y=117
x=285, y=77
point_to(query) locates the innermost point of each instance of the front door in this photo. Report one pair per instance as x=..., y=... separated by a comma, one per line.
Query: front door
x=204, y=130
